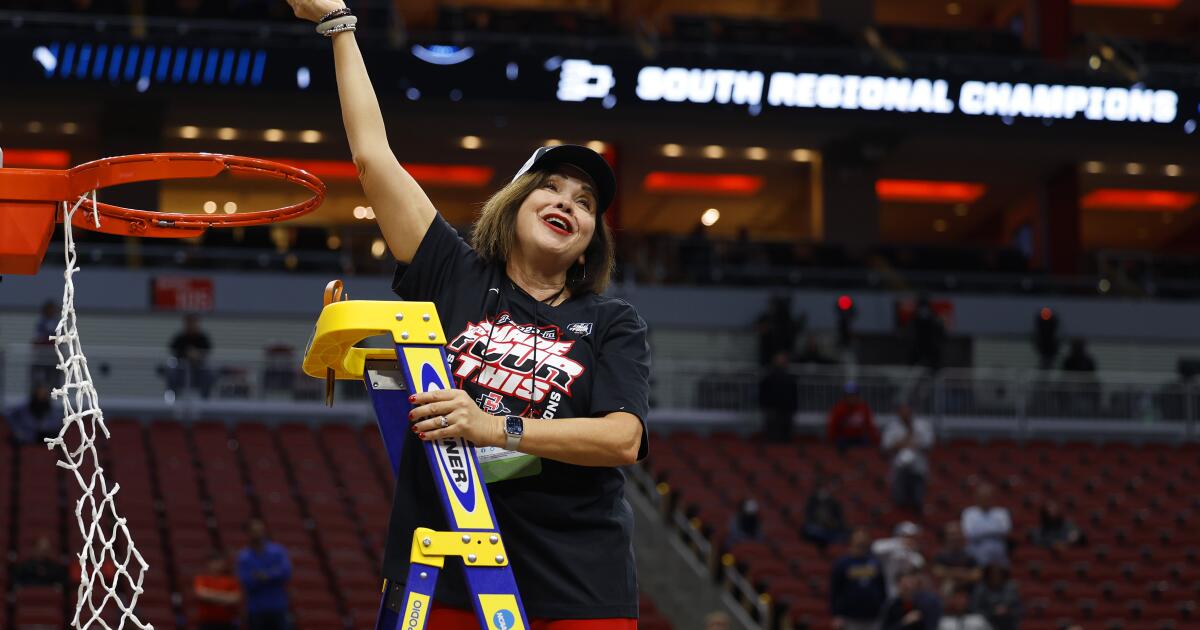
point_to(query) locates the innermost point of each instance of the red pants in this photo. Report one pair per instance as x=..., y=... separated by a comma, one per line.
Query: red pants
x=447, y=618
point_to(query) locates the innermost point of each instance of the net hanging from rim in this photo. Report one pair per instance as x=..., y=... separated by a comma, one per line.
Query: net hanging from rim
x=111, y=568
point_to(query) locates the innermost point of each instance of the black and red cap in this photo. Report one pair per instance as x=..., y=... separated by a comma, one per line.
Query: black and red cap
x=583, y=158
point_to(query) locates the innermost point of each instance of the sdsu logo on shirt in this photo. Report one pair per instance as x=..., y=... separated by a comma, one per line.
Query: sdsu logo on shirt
x=523, y=361
x=492, y=403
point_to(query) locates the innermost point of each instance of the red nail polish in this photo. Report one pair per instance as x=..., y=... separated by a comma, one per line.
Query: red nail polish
x=421, y=435
x=414, y=428
x=412, y=398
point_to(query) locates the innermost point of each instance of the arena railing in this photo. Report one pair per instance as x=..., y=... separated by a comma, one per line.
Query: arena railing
x=1000, y=402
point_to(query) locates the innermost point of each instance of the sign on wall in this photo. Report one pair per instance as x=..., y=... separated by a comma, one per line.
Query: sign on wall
x=181, y=293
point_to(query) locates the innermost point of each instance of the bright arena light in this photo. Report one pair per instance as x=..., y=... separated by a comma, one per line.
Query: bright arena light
x=311, y=136
x=227, y=133
x=1133, y=168
x=597, y=146
x=188, y=132
x=1093, y=167
x=230, y=207
x=273, y=135
x=210, y=207
x=360, y=212
x=70, y=128
x=672, y=150
x=471, y=142
x=756, y=153
x=714, y=151
x=802, y=155
x=377, y=248
x=1172, y=170
x=710, y=217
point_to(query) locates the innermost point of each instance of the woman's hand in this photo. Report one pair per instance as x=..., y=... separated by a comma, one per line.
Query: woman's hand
x=451, y=413
x=314, y=10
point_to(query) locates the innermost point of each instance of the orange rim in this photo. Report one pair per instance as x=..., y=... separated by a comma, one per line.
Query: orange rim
x=107, y=172
x=42, y=185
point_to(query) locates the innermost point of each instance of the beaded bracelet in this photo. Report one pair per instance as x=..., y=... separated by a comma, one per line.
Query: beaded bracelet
x=336, y=25
x=336, y=13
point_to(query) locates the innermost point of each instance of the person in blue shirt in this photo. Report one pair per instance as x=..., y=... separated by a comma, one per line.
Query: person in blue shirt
x=856, y=587
x=264, y=570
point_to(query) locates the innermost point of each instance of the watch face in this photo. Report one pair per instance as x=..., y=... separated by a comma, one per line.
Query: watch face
x=514, y=426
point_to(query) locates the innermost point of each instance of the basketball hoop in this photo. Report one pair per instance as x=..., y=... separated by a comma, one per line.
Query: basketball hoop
x=30, y=199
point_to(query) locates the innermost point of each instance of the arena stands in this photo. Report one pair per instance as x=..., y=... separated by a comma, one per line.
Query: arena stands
x=1140, y=568
x=186, y=491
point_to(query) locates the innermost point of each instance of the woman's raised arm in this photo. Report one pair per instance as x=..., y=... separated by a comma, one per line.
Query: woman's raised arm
x=402, y=209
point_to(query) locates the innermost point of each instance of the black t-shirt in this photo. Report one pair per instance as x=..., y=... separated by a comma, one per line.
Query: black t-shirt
x=568, y=529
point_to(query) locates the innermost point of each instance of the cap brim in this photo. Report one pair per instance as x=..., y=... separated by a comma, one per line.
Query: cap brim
x=585, y=160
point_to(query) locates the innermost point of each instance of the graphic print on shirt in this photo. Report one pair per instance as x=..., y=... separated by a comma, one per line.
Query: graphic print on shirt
x=493, y=403
x=509, y=368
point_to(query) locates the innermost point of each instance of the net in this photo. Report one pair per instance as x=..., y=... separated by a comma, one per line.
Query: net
x=111, y=568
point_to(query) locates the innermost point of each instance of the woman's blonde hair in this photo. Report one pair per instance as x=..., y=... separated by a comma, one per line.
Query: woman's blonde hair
x=495, y=235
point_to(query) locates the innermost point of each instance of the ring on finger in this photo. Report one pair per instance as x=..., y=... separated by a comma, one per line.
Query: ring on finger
x=444, y=422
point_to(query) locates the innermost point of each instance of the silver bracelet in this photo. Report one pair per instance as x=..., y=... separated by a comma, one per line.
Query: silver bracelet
x=337, y=25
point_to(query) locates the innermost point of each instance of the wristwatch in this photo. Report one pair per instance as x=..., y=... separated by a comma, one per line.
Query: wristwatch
x=514, y=428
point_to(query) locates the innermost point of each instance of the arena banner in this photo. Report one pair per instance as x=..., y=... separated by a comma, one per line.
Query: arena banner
x=614, y=80
x=581, y=80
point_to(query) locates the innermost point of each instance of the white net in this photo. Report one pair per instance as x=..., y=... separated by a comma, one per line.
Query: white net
x=111, y=568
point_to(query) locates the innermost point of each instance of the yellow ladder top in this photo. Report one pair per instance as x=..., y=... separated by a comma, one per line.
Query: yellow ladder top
x=344, y=324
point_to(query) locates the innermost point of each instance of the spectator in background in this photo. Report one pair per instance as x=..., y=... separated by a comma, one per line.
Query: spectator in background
x=696, y=256
x=43, y=368
x=906, y=441
x=41, y=568
x=986, y=527
x=1045, y=337
x=37, y=419
x=856, y=586
x=46, y=324
x=264, y=570
x=851, y=422
x=914, y=606
x=189, y=350
x=812, y=353
x=958, y=615
x=900, y=553
x=824, y=523
x=996, y=598
x=779, y=398
x=953, y=566
x=777, y=330
x=218, y=596
x=1078, y=359
x=745, y=524
x=1055, y=530
x=929, y=333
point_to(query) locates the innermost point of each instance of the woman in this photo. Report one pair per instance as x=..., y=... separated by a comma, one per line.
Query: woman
x=553, y=377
